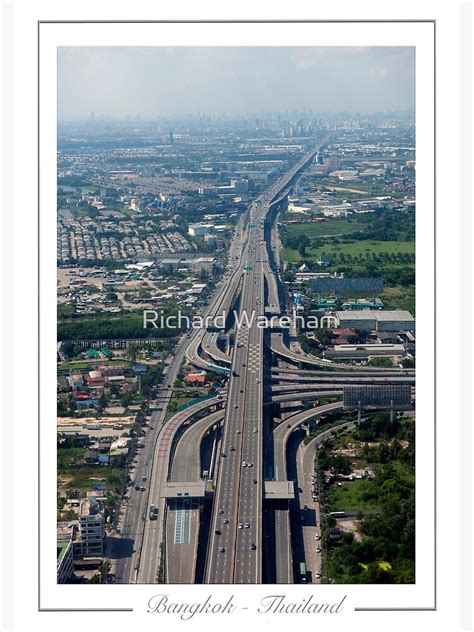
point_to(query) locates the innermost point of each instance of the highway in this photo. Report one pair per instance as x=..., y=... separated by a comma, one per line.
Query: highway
x=284, y=430
x=229, y=560
x=280, y=348
x=243, y=460
x=311, y=526
x=153, y=530
x=182, y=520
x=235, y=546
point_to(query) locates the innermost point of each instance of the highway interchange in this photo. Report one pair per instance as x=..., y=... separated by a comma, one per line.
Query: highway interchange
x=231, y=524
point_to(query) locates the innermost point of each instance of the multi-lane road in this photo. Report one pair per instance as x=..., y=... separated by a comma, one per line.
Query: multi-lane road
x=241, y=455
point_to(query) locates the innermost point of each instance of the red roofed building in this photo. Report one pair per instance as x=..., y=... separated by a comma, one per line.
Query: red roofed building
x=196, y=378
x=94, y=377
x=345, y=333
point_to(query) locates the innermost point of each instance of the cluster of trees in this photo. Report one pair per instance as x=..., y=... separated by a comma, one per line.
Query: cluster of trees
x=392, y=258
x=392, y=276
x=299, y=242
x=151, y=377
x=387, y=226
x=338, y=464
x=107, y=328
x=310, y=345
x=387, y=552
x=380, y=362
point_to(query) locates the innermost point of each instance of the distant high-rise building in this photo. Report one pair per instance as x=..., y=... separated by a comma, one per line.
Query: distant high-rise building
x=171, y=139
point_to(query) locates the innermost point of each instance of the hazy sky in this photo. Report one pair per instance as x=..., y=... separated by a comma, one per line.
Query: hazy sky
x=154, y=81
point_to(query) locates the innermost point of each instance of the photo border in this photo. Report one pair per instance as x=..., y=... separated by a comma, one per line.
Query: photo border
x=244, y=21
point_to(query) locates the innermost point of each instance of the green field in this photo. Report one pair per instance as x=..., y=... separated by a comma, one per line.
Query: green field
x=353, y=496
x=83, y=478
x=363, y=248
x=330, y=227
x=399, y=297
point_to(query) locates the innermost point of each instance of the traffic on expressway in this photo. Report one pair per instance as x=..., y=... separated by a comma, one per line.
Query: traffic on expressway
x=223, y=509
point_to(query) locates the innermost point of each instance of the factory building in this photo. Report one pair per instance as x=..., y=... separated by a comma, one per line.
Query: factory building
x=370, y=320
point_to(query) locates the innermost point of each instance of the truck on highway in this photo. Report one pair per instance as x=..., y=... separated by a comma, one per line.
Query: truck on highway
x=153, y=512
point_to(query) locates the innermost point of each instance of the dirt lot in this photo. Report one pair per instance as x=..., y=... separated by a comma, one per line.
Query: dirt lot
x=349, y=525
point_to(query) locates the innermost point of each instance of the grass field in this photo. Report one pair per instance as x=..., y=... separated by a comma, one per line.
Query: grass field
x=354, y=248
x=399, y=297
x=83, y=478
x=330, y=228
x=353, y=496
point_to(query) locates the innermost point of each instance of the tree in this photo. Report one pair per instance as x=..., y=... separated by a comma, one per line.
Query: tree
x=132, y=352
x=104, y=570
x=380, y=362
x=69, y=349
x=302, y=243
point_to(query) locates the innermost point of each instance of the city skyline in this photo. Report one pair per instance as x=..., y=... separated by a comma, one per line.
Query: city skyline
x=232, y=81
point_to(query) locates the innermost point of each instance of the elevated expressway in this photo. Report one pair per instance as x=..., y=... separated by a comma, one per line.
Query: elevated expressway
x=279, y=347
x=285, y=373
x=237, y=499
x=183, y=520
x=235, y=550
x=333, y=381
x=204, y=340
x=235, y=544
x=275, y=469
x=149, y=552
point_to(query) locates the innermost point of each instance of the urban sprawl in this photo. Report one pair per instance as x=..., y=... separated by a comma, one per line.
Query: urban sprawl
x=231, y=452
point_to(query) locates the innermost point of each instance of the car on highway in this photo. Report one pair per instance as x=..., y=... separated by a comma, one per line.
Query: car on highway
x=244, y=463
x=318, y=575
x=143, y=478
x=255, y=430
x=217, y=532
x=236, y=405
x=226, y=520
x=232, y=449
x=137, y=487
x=221, y=549
x=221, y=511
x=240, y=525
x=142, y=489
x=249, y=464
x=246, y=525
x=318, y=549
x=253, y=546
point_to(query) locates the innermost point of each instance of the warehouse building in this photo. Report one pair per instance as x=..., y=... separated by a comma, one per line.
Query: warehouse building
x=369, y=320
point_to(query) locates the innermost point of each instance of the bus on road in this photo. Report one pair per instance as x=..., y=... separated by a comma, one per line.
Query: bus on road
x=303, y=572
